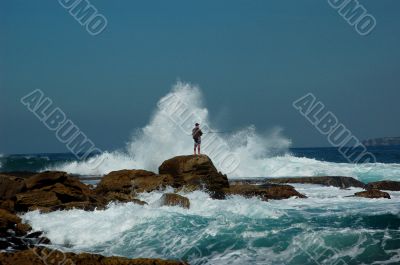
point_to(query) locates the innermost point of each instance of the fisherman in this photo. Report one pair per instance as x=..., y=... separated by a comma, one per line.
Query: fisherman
x=196, y=134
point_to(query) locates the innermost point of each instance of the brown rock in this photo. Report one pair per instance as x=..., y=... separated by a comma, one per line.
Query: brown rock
x=265, y=192
x=44, y=179
x=68, y=194
x=132, y=181
x=10, y=186
x=340, y=182
x=36, y=198
x=121, y=197
x=22, y=228
x=40, y=256
x=384, y=185
x=196, y=172
x=372, y=194
x=8, y=219
x=172, y=199
x=7, y=205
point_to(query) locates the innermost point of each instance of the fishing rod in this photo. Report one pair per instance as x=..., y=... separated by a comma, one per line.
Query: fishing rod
x=219, y=132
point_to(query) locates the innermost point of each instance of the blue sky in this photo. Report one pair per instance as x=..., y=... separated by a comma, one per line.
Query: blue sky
x=252, y=59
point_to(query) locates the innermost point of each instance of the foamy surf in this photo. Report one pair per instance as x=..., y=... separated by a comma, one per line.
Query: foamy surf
x=258, y=154
x=233, y=231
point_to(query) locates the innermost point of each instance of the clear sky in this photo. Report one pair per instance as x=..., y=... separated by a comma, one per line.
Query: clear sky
x=251, y=58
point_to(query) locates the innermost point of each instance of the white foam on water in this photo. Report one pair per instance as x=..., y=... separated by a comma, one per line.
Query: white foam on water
x=237, y=230
x=258, y=154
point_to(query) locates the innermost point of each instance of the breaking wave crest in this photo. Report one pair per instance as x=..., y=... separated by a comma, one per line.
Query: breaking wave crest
x=241, y=154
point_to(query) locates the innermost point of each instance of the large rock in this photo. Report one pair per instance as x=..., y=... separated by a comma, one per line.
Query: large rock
x=40, y=256
x=132, y=181
x=38, y=198
x=53, y=190
x=8, y=219
x=172, y=199
x=340, y=182
x=372, y=194
x=10, y=186
x=265, y=192
x=384, y=185
x=196, y=172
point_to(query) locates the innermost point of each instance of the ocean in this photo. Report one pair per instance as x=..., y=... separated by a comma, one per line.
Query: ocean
x=326, y=228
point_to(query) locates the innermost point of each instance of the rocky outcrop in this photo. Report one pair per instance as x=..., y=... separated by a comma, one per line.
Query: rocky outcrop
x=195, y=172
x=132, y=181
x=52, y=190
x=15, y=235
x=372, y=194
x=265, y=191
x=340, y=182
x=172, y=199
x=40, y=256
x=10, y=186
x=384, y=185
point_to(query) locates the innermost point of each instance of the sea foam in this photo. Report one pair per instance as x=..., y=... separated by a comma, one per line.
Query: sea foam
x=258, y=154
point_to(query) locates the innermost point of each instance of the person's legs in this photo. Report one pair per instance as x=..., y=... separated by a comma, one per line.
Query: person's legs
x=194, y=148
x=198, y=149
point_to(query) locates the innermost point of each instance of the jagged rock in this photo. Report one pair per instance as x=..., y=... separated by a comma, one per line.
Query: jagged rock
x=53, y=190
x=36, y=198
x=8, y=220
x=22, y=229
x=40, y=256
x=372, y=194
x=10, y=186
x=46, y=178
x=7, y=205
x=172, y=199
x=196, y=172
x=132, y=181
x=265, y=192
x=122, y=197
x=384, y=185
x=49, y=178
x=340, y=182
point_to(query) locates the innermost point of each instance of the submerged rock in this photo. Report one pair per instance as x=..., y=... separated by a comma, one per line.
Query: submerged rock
x=384, y=185
x=340, y=182
x=40, y=256
x=194, y=172
x=372, y=194
x=172, y=199
x=265, y=192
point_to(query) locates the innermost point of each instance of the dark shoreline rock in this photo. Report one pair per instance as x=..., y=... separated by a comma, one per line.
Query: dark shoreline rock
x=384, y=185
x=265, y=192
x=40, y=256
x=173, y=199
x=372, y=194
x=340, y=182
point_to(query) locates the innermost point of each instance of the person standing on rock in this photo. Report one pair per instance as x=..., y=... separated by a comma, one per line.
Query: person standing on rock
x=196, y=134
